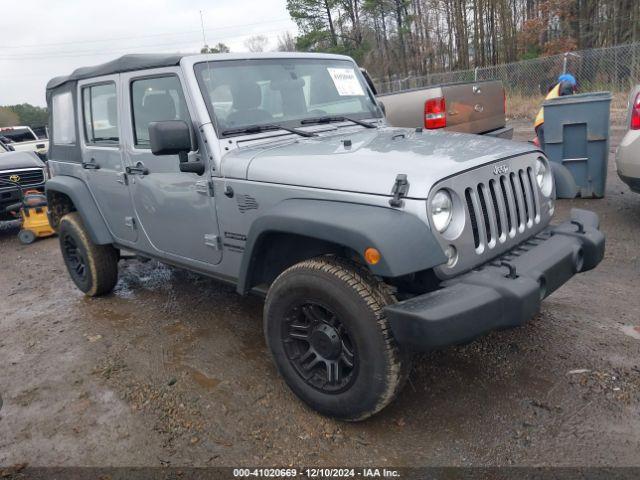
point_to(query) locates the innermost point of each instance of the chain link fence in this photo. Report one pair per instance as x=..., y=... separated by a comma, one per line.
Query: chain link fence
x=615, y=69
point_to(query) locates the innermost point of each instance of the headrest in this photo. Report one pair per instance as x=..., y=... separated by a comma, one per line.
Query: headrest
x=246, y=96
x=159, y=107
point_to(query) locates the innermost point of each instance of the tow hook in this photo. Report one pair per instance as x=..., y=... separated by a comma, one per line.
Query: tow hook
x=579, y=225
x=512, y=270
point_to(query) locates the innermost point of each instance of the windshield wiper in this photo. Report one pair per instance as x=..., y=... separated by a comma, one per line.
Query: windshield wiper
x=339, y=118
x=266, y=127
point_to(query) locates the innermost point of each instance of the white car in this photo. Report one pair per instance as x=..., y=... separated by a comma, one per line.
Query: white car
x=23, y=139
x=628, y=153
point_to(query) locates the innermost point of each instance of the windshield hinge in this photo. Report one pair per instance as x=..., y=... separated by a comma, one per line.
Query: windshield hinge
x=205, y=187
x=399, y=190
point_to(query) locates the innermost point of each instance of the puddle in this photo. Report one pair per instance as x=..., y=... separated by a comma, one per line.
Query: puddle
x=632, y=331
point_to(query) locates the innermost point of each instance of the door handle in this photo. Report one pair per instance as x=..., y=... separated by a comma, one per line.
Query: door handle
x=139, y=169
x=91, y=165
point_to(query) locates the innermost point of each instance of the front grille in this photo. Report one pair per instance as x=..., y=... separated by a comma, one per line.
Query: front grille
x=27, y=178
x=502, y=208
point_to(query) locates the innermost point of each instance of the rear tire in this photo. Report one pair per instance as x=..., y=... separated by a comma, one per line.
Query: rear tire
x=93, y=268
x=325, y=326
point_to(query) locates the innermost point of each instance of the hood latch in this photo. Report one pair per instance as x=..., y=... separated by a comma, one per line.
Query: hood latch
x=399, y=190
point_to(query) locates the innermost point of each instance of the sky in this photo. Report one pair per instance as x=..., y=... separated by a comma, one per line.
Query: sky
x=54, y=37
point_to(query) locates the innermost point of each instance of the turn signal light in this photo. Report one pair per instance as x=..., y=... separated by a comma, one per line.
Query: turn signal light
x=372, y=256
x=435, y=113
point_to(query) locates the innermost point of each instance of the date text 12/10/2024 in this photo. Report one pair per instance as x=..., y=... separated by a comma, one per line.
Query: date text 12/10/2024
x=316, y=472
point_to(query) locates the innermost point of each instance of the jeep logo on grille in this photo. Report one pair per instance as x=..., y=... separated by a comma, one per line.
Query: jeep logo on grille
x=500, y=169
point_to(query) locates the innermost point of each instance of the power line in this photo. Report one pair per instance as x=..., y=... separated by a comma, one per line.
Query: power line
x=190, y=32
x=141, y=48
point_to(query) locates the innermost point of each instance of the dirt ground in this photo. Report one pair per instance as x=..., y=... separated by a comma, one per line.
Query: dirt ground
x=172, y=369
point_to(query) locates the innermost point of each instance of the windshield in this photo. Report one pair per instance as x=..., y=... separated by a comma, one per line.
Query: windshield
x=242, y=93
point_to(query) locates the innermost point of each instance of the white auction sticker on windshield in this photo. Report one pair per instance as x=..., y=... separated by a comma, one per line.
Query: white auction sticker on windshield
x=346, y=81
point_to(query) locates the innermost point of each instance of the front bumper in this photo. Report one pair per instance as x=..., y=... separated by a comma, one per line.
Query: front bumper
x=633, y=183
x=504, y=293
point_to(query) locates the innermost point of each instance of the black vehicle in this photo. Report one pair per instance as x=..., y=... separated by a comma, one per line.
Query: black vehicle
x=23, y=168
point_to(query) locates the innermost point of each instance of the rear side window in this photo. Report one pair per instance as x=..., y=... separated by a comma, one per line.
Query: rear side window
x=64, y=130
x=155, y=100
x=100, y=113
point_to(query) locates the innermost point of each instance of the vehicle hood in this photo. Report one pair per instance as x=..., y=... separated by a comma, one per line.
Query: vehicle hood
x=15, y=160
x=372, y=161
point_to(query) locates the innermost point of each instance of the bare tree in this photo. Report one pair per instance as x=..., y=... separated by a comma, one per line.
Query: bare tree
x=404, y=38
x=257, y=43
x=286, y=42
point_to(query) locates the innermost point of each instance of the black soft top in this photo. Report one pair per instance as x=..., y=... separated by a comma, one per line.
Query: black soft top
x=126, y=63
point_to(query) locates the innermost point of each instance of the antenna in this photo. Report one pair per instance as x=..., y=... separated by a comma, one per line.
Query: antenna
x=204, y=38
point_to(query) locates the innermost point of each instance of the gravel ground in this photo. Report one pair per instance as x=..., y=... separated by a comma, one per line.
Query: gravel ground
x=172, y=370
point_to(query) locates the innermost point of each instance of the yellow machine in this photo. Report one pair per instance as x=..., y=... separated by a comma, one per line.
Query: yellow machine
x=32, y=209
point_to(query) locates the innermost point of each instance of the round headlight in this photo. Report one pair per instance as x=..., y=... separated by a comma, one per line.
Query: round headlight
x=441, y=210
x=544, y=177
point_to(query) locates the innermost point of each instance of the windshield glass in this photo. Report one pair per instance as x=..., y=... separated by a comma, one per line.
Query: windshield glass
x=17, y=134
x=285, y=91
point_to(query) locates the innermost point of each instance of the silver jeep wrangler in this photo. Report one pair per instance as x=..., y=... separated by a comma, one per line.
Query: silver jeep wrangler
x=278, y=173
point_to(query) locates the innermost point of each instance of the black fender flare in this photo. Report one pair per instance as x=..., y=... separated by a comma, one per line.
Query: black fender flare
x=405, y=242
x=565, y=183
x=84, y=203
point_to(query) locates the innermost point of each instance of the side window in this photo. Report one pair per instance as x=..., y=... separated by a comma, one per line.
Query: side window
x=155, y=100
x=64, y=129
x=100, y=113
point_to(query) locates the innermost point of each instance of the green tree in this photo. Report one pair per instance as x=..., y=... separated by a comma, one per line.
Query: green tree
x=315, y=18
x=30, y=115
x=8, y=117
x=218, y=48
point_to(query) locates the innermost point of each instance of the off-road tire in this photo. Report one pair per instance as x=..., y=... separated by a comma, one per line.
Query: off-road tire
x=358, y=299
x=100, y=262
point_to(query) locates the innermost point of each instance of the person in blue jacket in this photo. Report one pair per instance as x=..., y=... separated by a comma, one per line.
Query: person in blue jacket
x=567, y=85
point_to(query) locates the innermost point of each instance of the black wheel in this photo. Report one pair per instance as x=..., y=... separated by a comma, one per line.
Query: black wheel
x=326, y=329
x=26, y=237
x=93, y=268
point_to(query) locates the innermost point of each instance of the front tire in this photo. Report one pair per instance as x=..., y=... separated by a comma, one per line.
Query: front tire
x=93, y=268
x=329, y=337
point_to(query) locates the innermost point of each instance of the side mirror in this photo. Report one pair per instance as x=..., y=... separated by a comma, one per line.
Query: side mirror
x=173, y=137
x=11, y=148
x=170, y=137
x=382, y=107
